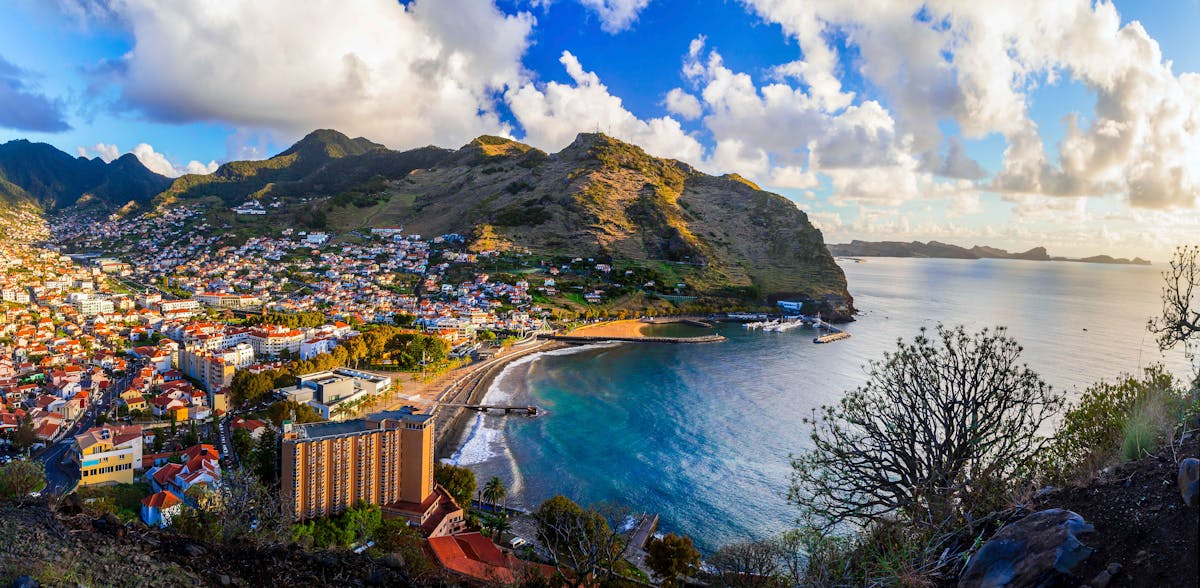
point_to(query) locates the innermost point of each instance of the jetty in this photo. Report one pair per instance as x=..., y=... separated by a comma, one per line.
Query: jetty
x=581, y=339
x=529, y=410
x=680, y=320
x=639, y=539
x=831, y=337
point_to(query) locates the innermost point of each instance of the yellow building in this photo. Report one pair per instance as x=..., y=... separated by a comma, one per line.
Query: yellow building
x=109, y=455
x=385, y=458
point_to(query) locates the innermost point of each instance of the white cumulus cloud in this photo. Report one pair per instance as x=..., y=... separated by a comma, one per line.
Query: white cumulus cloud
x=104, y=151
x=553, y=114
x=153, y=160
x=977, y=64
x=616, y=15
x=684, y=104
x=408, y=75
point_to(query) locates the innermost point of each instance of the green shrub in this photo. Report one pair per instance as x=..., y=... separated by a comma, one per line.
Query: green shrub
x=1111, y=420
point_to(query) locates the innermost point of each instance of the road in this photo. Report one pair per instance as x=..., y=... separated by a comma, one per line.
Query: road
x=225, y=439
x=59, y=476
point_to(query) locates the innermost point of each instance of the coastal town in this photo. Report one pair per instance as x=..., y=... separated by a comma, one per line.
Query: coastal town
x=135, y=376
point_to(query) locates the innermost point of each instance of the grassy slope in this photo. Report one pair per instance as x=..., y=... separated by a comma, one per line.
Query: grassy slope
x=601, y=197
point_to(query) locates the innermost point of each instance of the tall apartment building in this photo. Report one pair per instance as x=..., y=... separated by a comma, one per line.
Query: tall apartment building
x=215, y=369
x=385, y=458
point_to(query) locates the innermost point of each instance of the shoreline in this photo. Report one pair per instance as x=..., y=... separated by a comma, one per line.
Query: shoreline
x=470, y=388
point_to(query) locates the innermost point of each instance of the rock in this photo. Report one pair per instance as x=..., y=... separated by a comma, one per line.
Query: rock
x=1033, y=551
x=222, y=580
x=70, y=505
x=1103, y=578
x=25, y=582
x=109, y=524
x=1189, y=481
x=194, y=550
x=394, y=561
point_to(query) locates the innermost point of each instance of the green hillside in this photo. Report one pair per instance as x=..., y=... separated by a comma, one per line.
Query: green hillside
x=40, y=174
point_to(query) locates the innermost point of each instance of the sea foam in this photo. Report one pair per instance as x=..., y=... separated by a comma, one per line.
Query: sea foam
x=485, y=439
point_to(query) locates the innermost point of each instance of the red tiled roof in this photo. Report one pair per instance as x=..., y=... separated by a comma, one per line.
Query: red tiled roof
x=161, y=500
x=166, y=474
x=475, y=556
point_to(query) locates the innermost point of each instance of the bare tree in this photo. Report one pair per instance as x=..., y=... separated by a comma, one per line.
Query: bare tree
x=584, y=541
x=1180, y=318
x=249, y=510
x=937, y=422
x=749, y=564
x=240, y=510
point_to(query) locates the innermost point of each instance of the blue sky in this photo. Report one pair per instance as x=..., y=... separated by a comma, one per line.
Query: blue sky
x=886, y=119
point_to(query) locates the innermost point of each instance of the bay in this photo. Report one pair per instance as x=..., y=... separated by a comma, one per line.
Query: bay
x=701, y=434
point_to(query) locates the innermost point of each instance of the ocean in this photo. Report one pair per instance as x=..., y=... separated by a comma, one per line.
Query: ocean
x=701, y=434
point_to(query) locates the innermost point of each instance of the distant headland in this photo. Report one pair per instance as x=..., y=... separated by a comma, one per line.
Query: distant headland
x=947, y=251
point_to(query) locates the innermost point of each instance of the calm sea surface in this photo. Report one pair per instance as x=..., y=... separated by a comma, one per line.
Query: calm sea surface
x=701, y=433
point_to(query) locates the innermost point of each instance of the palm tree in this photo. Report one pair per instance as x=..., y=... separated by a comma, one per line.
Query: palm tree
x=498, y=526
x=494, y=491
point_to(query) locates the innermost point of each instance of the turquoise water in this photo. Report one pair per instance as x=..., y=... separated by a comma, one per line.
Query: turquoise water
x=701, y=433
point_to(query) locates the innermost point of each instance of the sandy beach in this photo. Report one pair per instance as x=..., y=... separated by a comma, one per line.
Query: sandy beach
x=623, y=328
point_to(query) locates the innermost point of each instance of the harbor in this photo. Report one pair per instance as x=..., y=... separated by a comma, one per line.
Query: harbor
x=826, y=333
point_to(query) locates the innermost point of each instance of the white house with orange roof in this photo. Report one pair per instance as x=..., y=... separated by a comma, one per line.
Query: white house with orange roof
x=201, y=465
x=159, y=508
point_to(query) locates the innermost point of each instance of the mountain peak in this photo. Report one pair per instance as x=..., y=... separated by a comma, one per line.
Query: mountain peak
x=492, y=145
x=56, y=180
x=606, y=149
x=331, y=143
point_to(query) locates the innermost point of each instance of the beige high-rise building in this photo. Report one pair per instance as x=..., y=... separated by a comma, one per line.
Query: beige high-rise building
x=385, y=458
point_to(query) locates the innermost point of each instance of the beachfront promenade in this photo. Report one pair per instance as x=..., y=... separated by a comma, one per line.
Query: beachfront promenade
x=605, y=338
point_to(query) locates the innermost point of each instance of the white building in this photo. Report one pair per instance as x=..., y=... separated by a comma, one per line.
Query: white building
x=173, y=305
x=15, y=294
x=271, y=340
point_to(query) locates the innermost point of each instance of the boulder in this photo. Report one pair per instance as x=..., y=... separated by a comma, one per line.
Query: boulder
x=1189, y=481
x=1036, y=550
x=109, y=524
x=70, y=505
x=25, y=582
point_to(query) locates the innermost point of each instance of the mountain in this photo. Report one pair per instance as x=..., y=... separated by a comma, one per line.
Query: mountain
x=324, y=162
x=599, y=197
x=40, y=174
x=1108, y=259
x=937, y=249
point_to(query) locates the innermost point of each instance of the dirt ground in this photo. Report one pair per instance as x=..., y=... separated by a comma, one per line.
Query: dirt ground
x=1141, y=522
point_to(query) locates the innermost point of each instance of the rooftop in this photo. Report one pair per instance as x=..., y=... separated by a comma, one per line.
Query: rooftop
x=370, y=422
